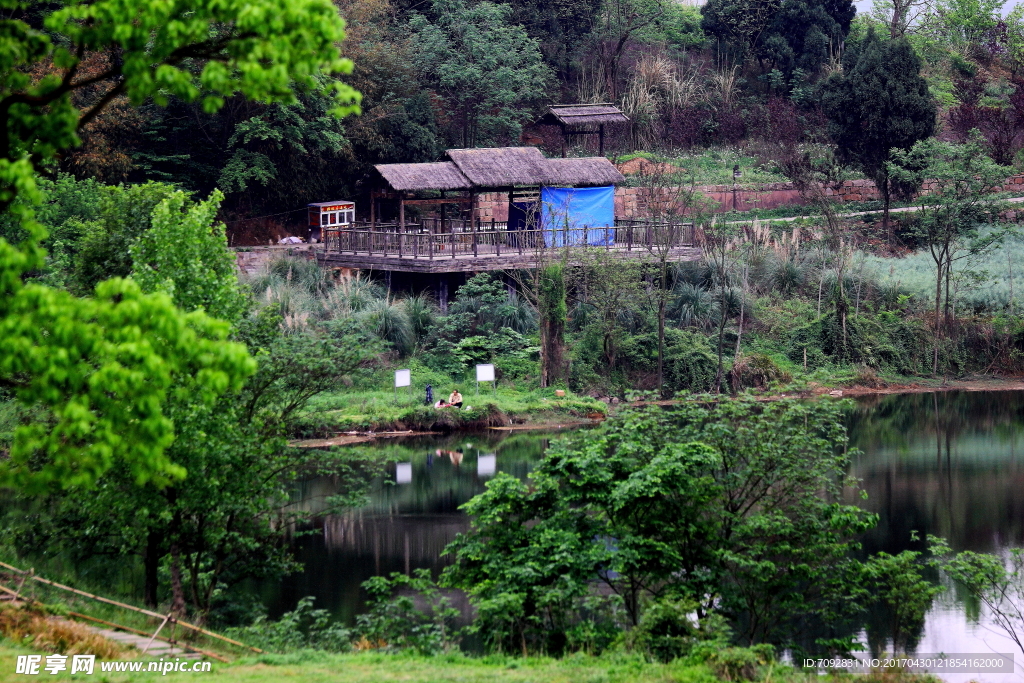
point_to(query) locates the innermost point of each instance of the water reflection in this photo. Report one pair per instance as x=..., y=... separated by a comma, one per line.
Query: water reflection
x=948, y=464
x=945, y=464
x=411, y=516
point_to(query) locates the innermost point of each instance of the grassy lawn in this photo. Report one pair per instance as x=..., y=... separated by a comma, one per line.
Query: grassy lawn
x=312, y=667
x=383, y=411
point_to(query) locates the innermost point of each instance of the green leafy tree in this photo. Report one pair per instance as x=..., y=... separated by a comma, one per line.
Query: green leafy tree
x=966, y=22
x=621, y=22
x=900, y=17
x=995, y=581
x=185, y=254
x=950, y=215
x=284, y=153
x=102, y=368
x=895, y=582
x=728, y=505
x=560, y=27
x=552, y=313
x=781, y=34
x=487, y=69
x=225, y=523
x=878, y=103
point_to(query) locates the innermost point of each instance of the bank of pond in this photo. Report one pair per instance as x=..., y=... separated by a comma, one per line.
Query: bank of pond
x=945, y=464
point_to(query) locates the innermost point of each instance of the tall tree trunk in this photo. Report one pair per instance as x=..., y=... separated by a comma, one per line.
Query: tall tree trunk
x=662, y=294
x=552, y=309
x=721, y=340
x=151, y=563
x=177, y=588
x=938, y=323
x=886, y=203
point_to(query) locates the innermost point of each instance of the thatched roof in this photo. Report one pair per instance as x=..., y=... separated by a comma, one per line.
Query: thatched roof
x=583, y=115
x=442, y=175
x=501, y=166
x=593, y=171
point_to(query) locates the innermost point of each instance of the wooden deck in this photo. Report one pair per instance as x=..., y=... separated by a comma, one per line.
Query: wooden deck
x=456, y=247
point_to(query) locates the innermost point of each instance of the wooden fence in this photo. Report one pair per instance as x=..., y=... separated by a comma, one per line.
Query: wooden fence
x=23, y=576
x=433, y=239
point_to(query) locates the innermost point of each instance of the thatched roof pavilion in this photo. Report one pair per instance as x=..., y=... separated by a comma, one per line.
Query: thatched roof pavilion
x=583, y=115
x=551, y=203
x=443, y=175
x=582, y=119
x=498, y=168
x=583, y=172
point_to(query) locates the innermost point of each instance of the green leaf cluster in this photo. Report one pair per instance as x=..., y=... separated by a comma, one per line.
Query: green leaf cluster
x=731, y=506
x=486, y=67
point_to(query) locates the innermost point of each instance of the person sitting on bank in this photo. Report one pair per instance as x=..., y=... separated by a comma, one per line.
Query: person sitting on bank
x=455, y=399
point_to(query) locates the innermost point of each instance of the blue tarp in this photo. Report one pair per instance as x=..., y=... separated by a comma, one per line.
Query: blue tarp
x=576, y=216
x=521, y=216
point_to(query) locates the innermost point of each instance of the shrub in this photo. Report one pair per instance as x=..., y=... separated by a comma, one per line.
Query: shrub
x=304, y=628
x=756, y=370
x=666, y=630
x=690, y=363
x=737, y=663
x=396, y=622
x=886, y=340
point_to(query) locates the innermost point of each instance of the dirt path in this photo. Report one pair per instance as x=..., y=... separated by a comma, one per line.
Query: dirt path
x=902, y=209
x=988, y=384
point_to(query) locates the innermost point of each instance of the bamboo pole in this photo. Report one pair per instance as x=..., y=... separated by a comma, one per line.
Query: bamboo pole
x=170, y=641
x=133, y=608
x=157, y=632
x=78, y=615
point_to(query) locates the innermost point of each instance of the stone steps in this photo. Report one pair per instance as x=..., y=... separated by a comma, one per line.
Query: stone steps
x=159, y=648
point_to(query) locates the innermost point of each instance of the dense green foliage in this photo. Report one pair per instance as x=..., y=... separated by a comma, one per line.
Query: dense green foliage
x=879, y=102
x=147, y=392
x=104, y=367
x=486, y=68
x=725, y=509
x=783, y=35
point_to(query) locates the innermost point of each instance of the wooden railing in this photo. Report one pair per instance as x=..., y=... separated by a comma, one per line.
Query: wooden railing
x=432, y=239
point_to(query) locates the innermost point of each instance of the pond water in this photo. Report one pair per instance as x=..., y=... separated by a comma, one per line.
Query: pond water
x=948, y=464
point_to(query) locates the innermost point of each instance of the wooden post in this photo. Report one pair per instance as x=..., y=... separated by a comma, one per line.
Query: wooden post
x=430, y=237
x=373, y=210
x=497, y=239
x=600, y=138
x=401, y=223
x=476, y=240
x=160, y=628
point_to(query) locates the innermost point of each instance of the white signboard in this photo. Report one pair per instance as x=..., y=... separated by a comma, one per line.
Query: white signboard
x=403, y=472
x=485, y=373
x=403, y=378
x=486, y=465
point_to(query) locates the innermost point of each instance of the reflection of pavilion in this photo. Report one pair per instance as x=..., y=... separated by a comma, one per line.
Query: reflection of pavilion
x=412, y=540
